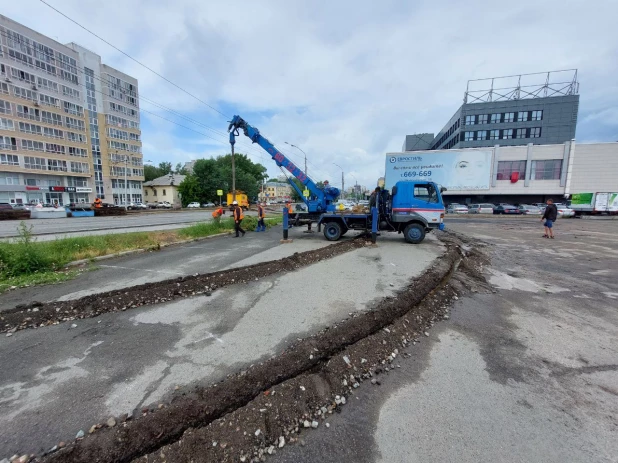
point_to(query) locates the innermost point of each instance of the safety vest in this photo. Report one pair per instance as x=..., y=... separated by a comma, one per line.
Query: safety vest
x=217, y=213
x=290, y=210
x=238, y=214
x=260, y=212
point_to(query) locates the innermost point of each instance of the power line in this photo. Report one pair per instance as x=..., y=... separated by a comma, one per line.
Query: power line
x=133, y=59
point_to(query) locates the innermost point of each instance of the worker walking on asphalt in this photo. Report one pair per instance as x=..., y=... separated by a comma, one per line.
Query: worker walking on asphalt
x=238, y=216
x=98, y=203
x=261, y=227
x=550, y=215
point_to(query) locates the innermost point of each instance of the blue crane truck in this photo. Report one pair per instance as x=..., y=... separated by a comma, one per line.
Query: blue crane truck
x=412, y=207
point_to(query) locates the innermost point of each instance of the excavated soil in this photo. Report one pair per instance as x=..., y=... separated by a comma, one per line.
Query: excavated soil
x=39, y=314
x=254, y=412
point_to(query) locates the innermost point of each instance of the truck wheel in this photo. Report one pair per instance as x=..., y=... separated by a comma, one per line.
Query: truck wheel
x=332, y=231
x=414, y=233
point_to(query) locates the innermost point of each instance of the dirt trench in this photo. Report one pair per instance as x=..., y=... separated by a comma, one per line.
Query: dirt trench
x=221, y=422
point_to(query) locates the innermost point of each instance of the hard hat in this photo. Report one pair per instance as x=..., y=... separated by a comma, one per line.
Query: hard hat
x=234, y=202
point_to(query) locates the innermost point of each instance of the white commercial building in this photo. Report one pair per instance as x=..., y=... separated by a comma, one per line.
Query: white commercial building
x=515, y=174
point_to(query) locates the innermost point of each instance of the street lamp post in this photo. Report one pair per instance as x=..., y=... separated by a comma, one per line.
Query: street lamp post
x=355, y=187
x=342, y=181
x=304, y=154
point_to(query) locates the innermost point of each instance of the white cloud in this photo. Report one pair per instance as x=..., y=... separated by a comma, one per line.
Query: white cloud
x=344, y=80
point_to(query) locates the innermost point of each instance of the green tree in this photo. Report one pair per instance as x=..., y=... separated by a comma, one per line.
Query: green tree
x=191, y=190
x=152, y=172
x=180, y=170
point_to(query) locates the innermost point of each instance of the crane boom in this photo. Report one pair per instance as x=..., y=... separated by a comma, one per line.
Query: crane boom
x=322, y=198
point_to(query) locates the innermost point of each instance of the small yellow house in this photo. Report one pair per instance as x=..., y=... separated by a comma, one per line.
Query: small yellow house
x=164, y=189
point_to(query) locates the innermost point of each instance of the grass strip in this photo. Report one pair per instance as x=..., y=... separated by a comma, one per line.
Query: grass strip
x=26, y=262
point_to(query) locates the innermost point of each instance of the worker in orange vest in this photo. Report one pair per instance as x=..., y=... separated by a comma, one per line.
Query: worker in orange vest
x=261, y=227
x=98, y=203
x=217, y=213
x=238, y=216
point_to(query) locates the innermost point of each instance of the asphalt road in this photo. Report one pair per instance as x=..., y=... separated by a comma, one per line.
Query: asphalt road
x=134, y=221
x=528, y=374
x=61, y=379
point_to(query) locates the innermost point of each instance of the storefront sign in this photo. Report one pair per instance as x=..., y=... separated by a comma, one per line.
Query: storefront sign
x=83, y=190
x=67, y=189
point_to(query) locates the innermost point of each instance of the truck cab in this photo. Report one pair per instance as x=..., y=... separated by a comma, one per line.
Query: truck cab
x=412, y=208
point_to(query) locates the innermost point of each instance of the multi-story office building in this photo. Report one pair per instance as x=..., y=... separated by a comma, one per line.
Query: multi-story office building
x=510, y=111
x=69, y=125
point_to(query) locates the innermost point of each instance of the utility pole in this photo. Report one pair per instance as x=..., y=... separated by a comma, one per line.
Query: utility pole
x=342, y=181
x=304, y=154
x=232, y=141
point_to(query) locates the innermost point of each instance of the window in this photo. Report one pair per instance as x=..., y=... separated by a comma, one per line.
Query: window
x=522, y=116
x=164, y=194
x=481, y=135
x=535, y=132
x=51, y=118
x=28, y=113
x=77, y=137
x=68, y=91
x=469, y=136
x=494, y=135
x=24, y=93
x=79, y=167
x=546, y=170
x=56, y=165
x=47, y=84
x=509, y=117
x=23, y=76
x=30, y=128
x=53, y=133
x=507, y=134
x=31, y=145
x=5, y=107
x=470, y=120
x=496, y=118
x=506, y=168
x=482, y=119
x=35, y=163
x=9, y=180
x=9, y=159
x=145, y=192
x=426, y=193
x=8, y=143
x=72, y=108
x=74, y=123
x=54, y=148
x=6, y=124
x=521, y=133
x=537, y=116
x=154, y=192
x=78, y=152
x=4, y=88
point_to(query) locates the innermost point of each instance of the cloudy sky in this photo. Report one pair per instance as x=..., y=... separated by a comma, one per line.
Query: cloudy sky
x=345, y=80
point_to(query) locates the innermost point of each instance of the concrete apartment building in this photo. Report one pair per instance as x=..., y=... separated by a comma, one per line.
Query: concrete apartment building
x=275, y=191
x=509, y=111
x=69, y=124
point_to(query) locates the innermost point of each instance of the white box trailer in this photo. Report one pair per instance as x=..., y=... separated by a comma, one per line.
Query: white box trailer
x=594, y=203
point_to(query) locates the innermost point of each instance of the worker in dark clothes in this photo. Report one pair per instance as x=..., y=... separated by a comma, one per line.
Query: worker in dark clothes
x=261, y=227
x=550, y=215
x=373, y=199
x=238, y=216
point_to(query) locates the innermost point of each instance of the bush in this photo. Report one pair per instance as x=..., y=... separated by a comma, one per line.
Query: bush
x=24, y=257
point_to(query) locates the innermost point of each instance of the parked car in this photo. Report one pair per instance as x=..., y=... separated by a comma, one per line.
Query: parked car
x=208, y=205
x=19, y=207
x=506, y=209
x=6, y=206
x=193, y=205
x=529, y=209
x=164, y=205
x=456, y=209
x=564, y=210
x=484, y=208
x=139, y=206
